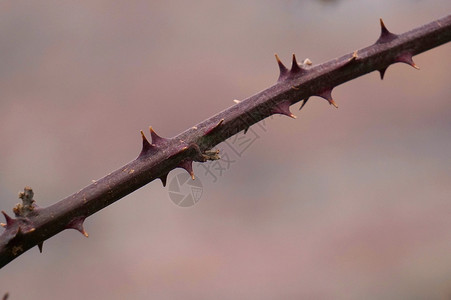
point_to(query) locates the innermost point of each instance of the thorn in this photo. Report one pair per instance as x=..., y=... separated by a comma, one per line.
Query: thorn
x=295, y=66
x=40, y=245
x=304, y=103
x=283, y=70
x=156, y=139
x=188, y=166
x=407, y=59
x=246, y=129
x=238, y=101
x=164, y=178
x=77, y=224
x=216, y=127
x=9, y=221
x=283, y=108
x=327, y=94
x=307, y=62
x=382, y=72
x=146, y=145
x=386, y=36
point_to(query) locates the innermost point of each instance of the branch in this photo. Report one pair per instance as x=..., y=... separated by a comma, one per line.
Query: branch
x=32, y=224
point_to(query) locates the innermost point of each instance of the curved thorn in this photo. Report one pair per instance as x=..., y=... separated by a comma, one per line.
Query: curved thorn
x=283, y=70
x=164, y=179
x=146, y=145
x=40, y=245
x=407, y=59
x=304, y=102
x=384, y=29
x=386, y=36
x=156, y=139
x=9, y=221
x=77, y=224
x=188, y=166
x=295, y=66
x=327, y=94
x=283, y=108
x=382, y=72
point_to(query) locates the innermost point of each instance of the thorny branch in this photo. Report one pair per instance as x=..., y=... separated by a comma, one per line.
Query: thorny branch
x=32, y=225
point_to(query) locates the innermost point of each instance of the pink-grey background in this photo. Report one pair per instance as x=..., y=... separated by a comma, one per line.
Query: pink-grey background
x=353, y=203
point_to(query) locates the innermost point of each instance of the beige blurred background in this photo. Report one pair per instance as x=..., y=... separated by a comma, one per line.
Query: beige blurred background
x=351, y=203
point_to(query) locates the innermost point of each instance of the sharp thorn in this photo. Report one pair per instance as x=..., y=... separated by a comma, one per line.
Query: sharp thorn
x=77, y=224
x=294, y=65
x=386, y=36
x=40, y=245
x=164, y=179
x=146, y=147
x=327, y=94
x=283, y=70
x=407, y=59
x=304, y=103
x=382, y=72
x=283, y=108
x=188, y=166
x=383, y=27
x=156, y=139
x=9, y=221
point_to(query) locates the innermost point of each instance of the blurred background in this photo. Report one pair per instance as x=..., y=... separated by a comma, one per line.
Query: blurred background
x=351, y=203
